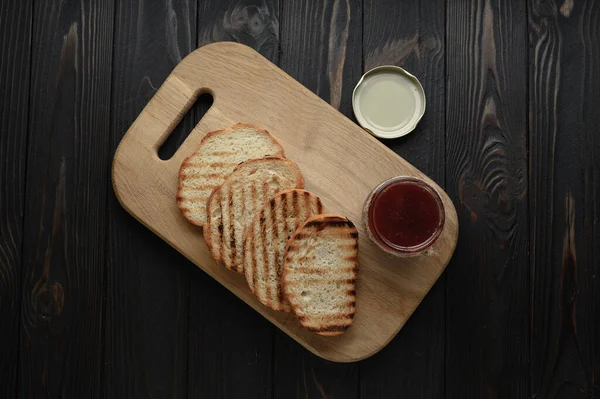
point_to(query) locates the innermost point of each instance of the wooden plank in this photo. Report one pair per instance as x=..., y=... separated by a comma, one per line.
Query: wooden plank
x=321, y=48
x=63, y=261
x=254, y=23
x=487, y=347
x=230, y=344
x=15, y=59
x=417, y=44
x=147, y=293
x=300, y=374
x=564, y=182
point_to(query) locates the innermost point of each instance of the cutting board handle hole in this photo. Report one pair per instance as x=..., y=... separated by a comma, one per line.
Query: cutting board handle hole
x=185, y=126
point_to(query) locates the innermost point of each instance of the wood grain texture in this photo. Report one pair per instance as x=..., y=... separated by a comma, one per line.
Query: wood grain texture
x=487, y=285
x=65, y=207
x=522, y=298
x=564, y=181
x=321, y=48
x=230, y=348
x=297, y=373
x=254, y=23
x=147, y=291
x=15, y=58
x=413, y=363
x=245, y=85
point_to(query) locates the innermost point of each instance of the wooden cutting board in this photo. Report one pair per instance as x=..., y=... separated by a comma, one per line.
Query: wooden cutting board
x=341, y=163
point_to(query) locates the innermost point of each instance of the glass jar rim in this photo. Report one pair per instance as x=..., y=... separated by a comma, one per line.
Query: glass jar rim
x=384, y=243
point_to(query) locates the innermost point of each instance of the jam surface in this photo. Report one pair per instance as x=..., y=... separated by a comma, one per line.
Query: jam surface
x=404, y=214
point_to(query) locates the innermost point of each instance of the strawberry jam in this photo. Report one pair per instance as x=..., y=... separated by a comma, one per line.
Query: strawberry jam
x=405, y=215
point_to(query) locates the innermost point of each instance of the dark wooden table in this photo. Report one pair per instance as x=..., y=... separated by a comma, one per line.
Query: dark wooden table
x=94, y=305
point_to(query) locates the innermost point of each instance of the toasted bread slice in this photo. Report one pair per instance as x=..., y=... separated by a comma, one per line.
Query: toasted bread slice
x=320, y=271
x=218, y=155
x=232, y=206
x=266, y=239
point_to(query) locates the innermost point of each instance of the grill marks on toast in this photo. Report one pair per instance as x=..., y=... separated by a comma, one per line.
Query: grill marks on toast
x=254, y=255
x=293, y=257
x=238, y=199
x=320, y=271
x=265, y=243
x=275, y=267
x=219, y=153
x=232, y=230
x=268, y=261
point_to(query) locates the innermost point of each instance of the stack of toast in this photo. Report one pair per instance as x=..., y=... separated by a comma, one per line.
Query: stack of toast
x=258, y=220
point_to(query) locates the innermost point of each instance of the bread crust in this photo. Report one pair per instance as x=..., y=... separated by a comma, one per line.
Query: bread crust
x=182, y=175
x=271, y=221
x=238, y=178
x=323, y=227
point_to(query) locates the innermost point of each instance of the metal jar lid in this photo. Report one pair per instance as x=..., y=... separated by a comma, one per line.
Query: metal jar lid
x=388, y=102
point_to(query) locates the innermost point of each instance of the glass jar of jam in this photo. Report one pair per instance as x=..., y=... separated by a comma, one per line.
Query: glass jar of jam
x=404, y=216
